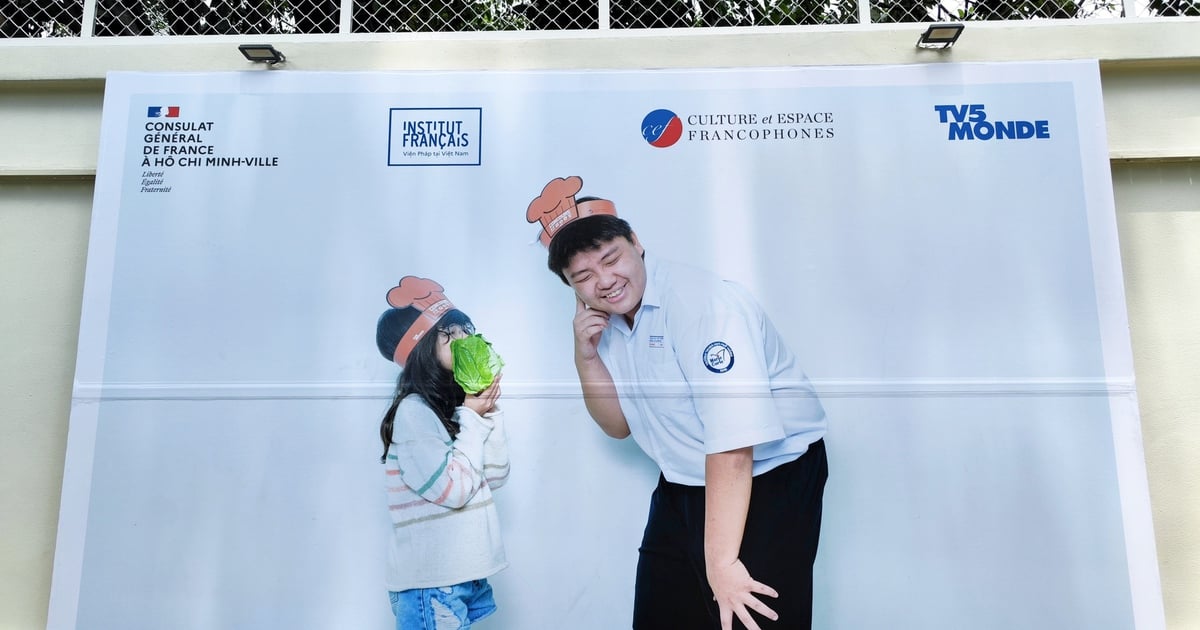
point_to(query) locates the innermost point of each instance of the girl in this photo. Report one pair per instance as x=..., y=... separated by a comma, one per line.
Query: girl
x=444, y=452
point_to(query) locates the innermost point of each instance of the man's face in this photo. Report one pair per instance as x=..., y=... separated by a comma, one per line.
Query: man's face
x=610, y=278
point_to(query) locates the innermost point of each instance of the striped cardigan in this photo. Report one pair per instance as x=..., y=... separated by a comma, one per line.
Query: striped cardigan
x=445, y=529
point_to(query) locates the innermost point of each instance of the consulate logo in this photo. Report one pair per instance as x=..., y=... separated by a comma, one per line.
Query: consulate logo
x=662, y=128
x=159, y=111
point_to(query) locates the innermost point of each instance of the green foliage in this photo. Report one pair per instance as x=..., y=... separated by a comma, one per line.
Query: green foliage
x=1041, y=9
x=53, y=18
x=63, y=18
x=1174, y=8
x=894, y=11
x=791, y=12
x=686, y=14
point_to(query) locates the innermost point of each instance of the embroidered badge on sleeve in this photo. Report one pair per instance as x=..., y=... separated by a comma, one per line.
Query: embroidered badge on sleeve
x=718, y=357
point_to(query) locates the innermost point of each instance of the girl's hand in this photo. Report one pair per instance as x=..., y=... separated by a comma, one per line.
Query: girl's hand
x=484, y=401
x=588, y=324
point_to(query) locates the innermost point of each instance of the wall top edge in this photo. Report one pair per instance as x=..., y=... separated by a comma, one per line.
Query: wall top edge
x=1181, y=23
x=1132, y=157
x=21, y=175
x=1173, y=41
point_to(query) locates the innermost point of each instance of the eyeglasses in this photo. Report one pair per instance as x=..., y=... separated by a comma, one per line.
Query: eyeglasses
x=450, y=333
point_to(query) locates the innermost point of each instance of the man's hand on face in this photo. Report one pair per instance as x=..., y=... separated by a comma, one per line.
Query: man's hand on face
x=588, y=323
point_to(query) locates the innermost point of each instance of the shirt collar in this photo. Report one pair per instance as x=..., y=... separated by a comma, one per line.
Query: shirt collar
x=651, y=296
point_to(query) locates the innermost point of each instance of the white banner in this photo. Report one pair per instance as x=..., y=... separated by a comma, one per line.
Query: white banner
x=936, y=243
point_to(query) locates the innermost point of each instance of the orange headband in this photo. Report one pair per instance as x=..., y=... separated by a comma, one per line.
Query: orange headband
x=426, y=296
x=556, y=206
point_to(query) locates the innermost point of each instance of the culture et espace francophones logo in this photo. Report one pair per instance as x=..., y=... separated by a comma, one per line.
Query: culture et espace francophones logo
x=969, y=121
x=662, y=128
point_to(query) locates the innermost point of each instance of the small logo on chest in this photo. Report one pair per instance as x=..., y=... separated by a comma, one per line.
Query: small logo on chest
x=656, y=341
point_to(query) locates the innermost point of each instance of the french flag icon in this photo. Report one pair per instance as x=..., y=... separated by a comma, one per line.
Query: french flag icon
x=161, y=112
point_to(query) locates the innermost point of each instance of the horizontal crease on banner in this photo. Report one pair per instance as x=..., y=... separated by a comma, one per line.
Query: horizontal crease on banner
x=822, y=388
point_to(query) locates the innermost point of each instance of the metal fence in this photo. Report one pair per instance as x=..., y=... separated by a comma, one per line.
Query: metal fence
x=134, y=18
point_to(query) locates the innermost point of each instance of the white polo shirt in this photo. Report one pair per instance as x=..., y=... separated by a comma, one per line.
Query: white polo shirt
x=702, y=370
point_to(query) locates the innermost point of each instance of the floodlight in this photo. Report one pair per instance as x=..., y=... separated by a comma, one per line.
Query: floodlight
x=262, y=53
x=940, y=36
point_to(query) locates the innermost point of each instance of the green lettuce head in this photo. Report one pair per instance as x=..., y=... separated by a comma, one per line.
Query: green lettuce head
x=476, y=364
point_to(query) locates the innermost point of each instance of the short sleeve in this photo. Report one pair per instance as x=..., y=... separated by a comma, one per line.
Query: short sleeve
x=724, y=362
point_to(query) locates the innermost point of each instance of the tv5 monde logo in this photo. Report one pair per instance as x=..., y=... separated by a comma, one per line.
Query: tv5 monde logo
x=970, y=122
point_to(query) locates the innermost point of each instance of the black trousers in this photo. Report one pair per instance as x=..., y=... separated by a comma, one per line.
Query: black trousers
x=779, y=546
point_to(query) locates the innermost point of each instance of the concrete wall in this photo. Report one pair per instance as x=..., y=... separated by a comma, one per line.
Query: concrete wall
x=50, y=100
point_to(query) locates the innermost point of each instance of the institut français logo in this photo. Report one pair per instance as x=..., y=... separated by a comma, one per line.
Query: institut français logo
x=439, y=136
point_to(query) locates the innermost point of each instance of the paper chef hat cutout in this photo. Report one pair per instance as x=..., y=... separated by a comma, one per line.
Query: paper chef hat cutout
x=556, y=207
x=426, y=296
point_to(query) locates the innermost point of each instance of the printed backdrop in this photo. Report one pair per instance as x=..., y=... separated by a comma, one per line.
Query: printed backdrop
x=937, y=244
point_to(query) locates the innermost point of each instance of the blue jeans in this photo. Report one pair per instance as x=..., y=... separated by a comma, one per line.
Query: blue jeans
x=446, y=608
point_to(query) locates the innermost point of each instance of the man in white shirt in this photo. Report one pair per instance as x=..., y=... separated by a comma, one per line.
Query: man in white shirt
x=692, y=368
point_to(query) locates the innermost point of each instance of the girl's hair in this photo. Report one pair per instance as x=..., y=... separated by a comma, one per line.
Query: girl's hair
x=422, y=375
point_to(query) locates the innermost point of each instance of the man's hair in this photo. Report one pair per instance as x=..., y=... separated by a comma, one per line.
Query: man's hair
x=583, y=235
